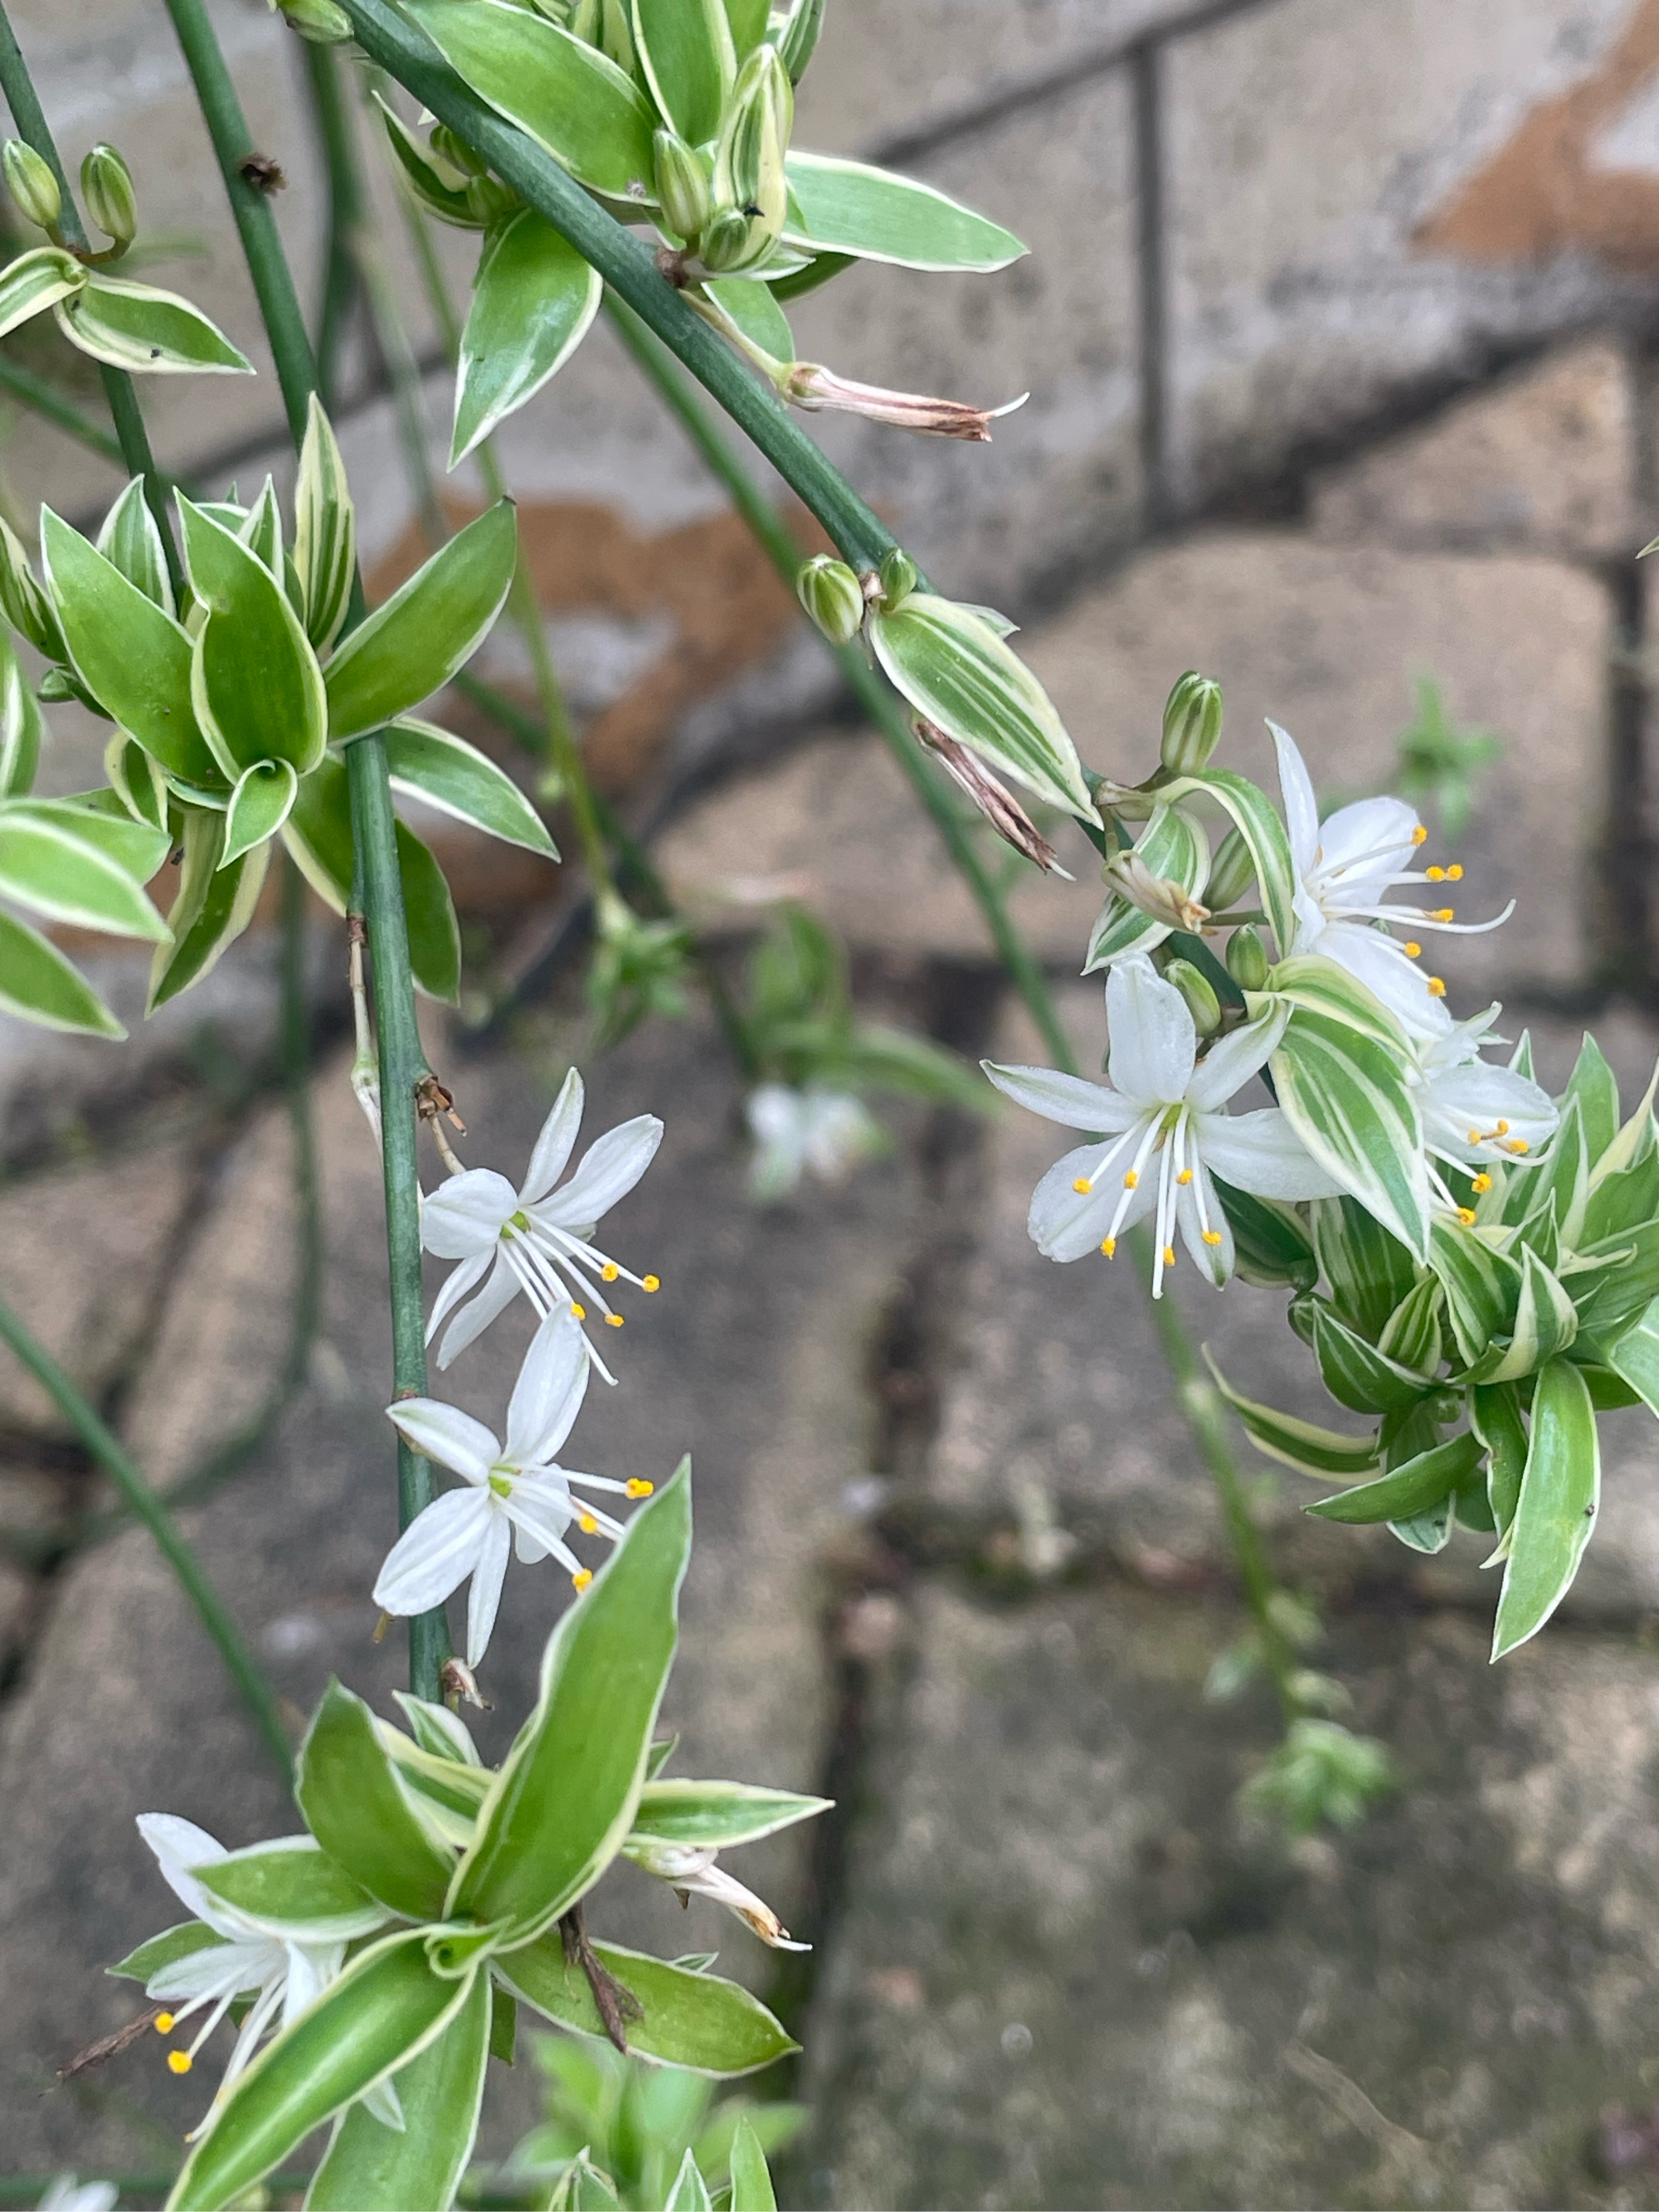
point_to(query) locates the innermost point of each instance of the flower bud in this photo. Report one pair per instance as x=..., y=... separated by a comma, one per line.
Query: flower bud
x=319, y=22
x=1196, y=989
x=1192, y=724
x=898, y=578
x=31, y=183
x=453, y=151
x=106, y=187
x=830, y=593
x=1231, y=872
x=725, y=243
x=1247, y=959
x=57, y=687
x=749, y=178
x=682, y=187
x=1160, y=898
x=800, y=37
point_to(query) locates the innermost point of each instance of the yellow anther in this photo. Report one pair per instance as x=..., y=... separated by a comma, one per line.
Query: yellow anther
x=1475, y=1137
x=1168, y=1255
x=613, y=1320
x=582, y=1578
x=639, y=1488
x=1517, y=1145
x=1185, y=1176
x=164, y=2023
x=1130, y=1180
x=1419, y=836
x=651, y=1283
x=590, y=1527
x=1503, y=1128
x=1436, y=875
x=1466, y=1215
x=1437, y=988
x=1083, y=1186
x=1454, y=873
x=1414, y=951
x=578, y=1313
x=1109, y=1246
x=1481, y=1185
x=1441, y=914
x=610, y=1272
x=1212, y=1235
x=179, y=2062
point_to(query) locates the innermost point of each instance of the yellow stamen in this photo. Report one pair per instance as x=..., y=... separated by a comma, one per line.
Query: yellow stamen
x=1481, y=1185
x=1466, y=1215
x=1517, y=1145
x=1503, y=1128
x=610, y=1272
x=1168, y=1255
x=1419, y=836
x=1083, y=1186
x=613, y=1320
x=578, y=1313
x=1437, y=988
x=639, y=1488
x=1108, y=1246
x=1441, y=914
x=1185, y=1176
x=1475, y=1137
x=179, y=2062
x=1212, y=1235
x=1454, y=873
x=1436, y=875
x=1130, y=1180
x=1412, y=951
x=583, y=1577
x=651, y=1283
x=590, y=1527
x=164, y=2023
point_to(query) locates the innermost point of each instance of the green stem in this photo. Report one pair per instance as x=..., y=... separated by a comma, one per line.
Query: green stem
x=402, y=1061
x=627, y=266
x=45, y=400
x=345, y=212
x=110, y=1455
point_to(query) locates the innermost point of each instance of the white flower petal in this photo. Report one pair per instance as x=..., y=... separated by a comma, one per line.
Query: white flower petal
x=840, y=1133
x=1262, y=1154
x=548, y=1395
x=473, y=1319
x=541, y=1509
x=484, y=1601
x=610, y=1168
x=247, y=1963
x=558, y=1134
x=1214, y=1261
x=1233, y=1060
x=465, y=1215
x=311, y=1968
x=179, y=1845
x=1477, y=1097
x=1301, y=807
x=385, y=2104
x=443, y=1432
x=465, y=1276
x=436, y=1553
x=1066, y=1224
x=1383, y=965
x=1071, y=1100
x=1362, y=849
x=1153, y=1044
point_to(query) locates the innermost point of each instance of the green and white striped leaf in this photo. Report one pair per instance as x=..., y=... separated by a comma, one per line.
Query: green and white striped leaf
x=38, y=984
x=146, y=331
x=324, y=531
x=262, y=531
x=1300, y=1444
x=755, y=312
x=1636, y=1356
x=1348, y=1100
x=718, y=1815
x=64, y=865
x=1495, y=1412
x=292, y=1889
x=1173, y=845
x=137, y=781
x=1271, y=1242
x=1482, y=1288
x=1561, y=1495
x=434, y=934
x=354, y=1804
x=1368, y=1271
x=35, y=280
x=838, y=206
x=255, y=683
x=690, y=2191
x=444, y=771
x=430, y=185
x=20, y=727
x=1307, y=979
x=28, y=608
x=1412, y=1335
x=1256, y=819
x=752, y=2183
x=1409, y=1492
x=689, y=62
x=438, y=1732
x=132, y=538
x=1356, y=1375
x=98, y=819
x=1594, y=1086
x=212, y=907
x=166, y=1949
x=261, y=802
x=318, y=831
x=565, y=95
x=533, y=298
x=951, y=665
x=368, y=2167
x=695, y=2020
x=1546, y=1323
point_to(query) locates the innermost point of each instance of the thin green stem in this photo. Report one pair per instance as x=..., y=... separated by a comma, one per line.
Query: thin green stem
x=345, y=211
x=46, y=401
x=629, y=267
x=111, y=1455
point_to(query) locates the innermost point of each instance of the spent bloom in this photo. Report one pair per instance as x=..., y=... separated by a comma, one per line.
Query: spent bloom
x=813, y=386
x=536, y=1239
x=511, y=1489
x=817, y=1131
x=1166, y=1131
x=1474, y=1113
x=1345, y=868
x=690, y=1870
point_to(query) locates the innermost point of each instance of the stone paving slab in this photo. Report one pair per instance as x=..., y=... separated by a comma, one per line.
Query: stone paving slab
x=1069, y=1973
x=753, y=1356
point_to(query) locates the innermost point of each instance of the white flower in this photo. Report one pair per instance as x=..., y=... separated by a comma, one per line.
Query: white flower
x=67, y=2195
x=1344, y=868
x=279, y=1976
x=1473, y=1113
x=1163, y=1113
x=535, y=1239
x=690, y=1869
x=825, y=1132
x=511, y=1488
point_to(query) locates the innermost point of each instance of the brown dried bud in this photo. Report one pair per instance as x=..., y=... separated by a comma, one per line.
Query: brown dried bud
x=817, y=389
x=1160, y=896
x=1000, y=809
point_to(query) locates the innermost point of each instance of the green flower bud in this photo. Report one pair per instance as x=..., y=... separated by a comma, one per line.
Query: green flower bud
x=725, y=242
x=1192, y=724
x=55, y=687
x=830, y=593
x=1196, y=989
x=452, y=149
x=587, y=23
x=106, y=187
x=487, y=198
x=898, y=578
x=1247, y=959
x=319, y=22
x=800, y=37
x=1445, y=1405
x=1231, y=873
x=749, y=178
x=31, y=183
x=682, y=187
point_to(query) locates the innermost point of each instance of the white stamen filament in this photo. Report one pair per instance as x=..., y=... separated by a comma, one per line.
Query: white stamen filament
x=1143, y=1153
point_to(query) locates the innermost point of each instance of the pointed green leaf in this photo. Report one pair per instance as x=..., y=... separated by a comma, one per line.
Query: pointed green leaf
x=430, y=185
x=1348, y=1099
x=718, y=1815
x=98, y=819
x=47, y=863
x=38, y=984
x=695, y=2020
x=1546, y=1323
x=259, y=806
x=433, y=624
x=751, y=2184
x=1634, y=1141
x=128, y=652
x=951, y=665
x=1411, y=1334
x=439, y=1733
x=533, y=298
x=212, y=908
x=1356, y=1373
x=35, y=280
x=686, y=48
x=1173, y=845
x=137, y=781
x=132, y=538
x=1257, y=822
x=754, y=308
x=292, y=1889
x=347, y=1789
x=166, y=1949
x=255, y=685
x=383, y=2011
x=747, y=19
x=1482, y=1288
x=1608, y=1304
x=324, y=531
x=1560, y=1494
x=1308, y=980
x=318, y=832
x=503, y=2025
x=28, y=608
x=371, y=2168
x=146, y=331
x=1495, y=1412
x=262, y=532
x=20, y=727
x=444, y=771
x=565, y=95
x=1299, y=1444
x=1562, y=1181
x=1635, y=1357
x=563, y=1803
x=1405, y=1492
x=434, y=935
x=690, y=2191
x=847, y=207
x=1270, y=1240
x=1596, y=1087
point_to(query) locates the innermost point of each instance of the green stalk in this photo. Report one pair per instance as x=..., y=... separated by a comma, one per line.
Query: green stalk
x=1201, y=1402
x=45, y=400
x=627, y=266
x=132, y=438
x=111, y=1455
x=402, y=1061
x=345, y=211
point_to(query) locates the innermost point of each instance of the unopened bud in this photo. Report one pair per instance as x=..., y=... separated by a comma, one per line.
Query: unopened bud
x=106, y=187
x=1231, y=872
x=488, y=199
x=748, y=175
x=800, y=37
x=453, y=149
x=1196, y=989
x=319, y=22
x=898, y=578
x=1247, y=959
x=57, y=687
x=1192, y=724
x=31, y=183
x=682, y=187
x=1160, y=897
x=830, y=593
x=725, y=243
